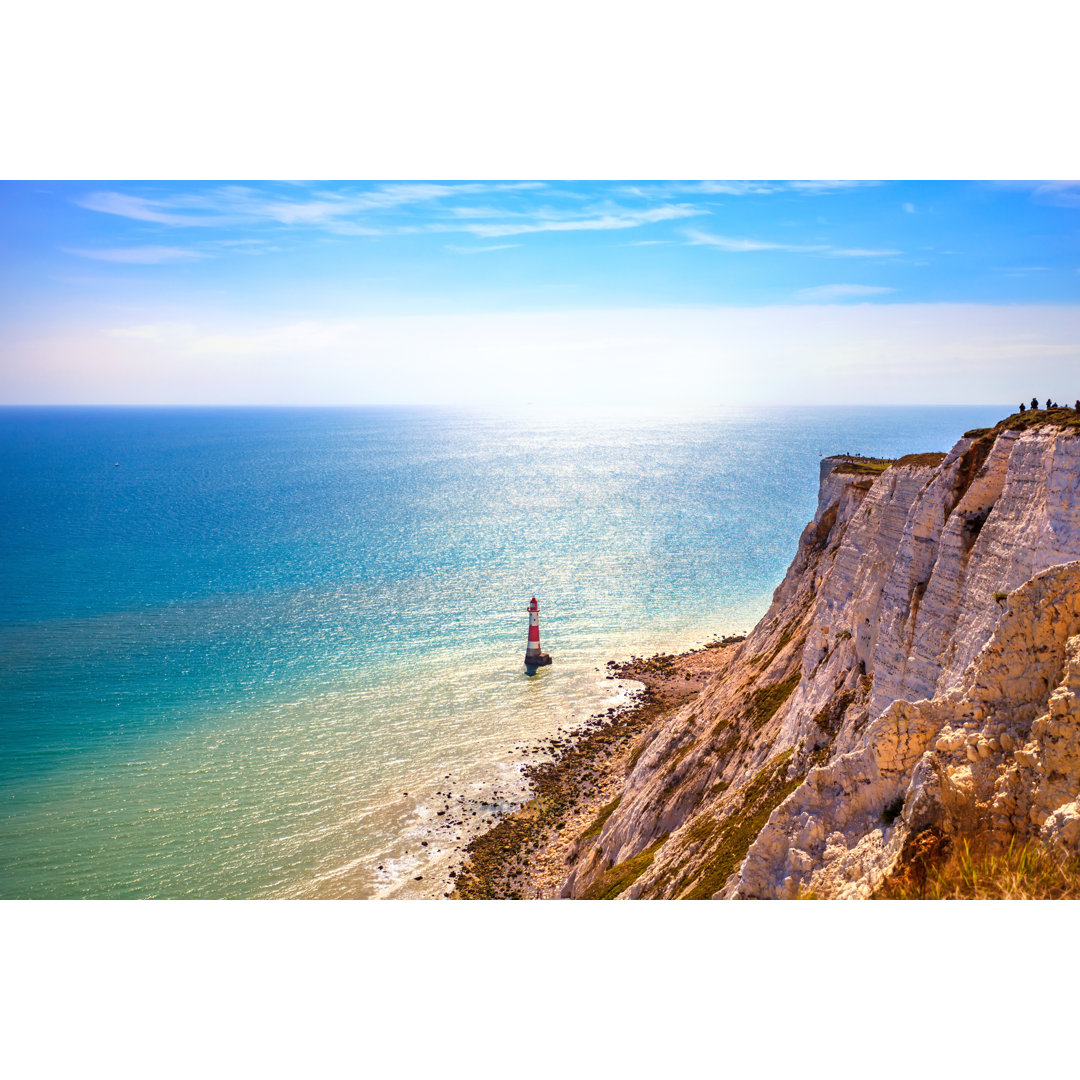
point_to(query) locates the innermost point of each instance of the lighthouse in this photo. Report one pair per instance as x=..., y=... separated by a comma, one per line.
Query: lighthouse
x=534, y=658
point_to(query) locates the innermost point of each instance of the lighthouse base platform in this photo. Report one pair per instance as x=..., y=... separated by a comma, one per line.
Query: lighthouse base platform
x=534, y=662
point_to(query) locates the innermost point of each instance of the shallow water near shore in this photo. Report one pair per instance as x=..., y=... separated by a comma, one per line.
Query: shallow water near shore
x=233, y=639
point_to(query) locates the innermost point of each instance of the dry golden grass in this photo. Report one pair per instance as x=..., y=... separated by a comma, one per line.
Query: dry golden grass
x=1023, y=872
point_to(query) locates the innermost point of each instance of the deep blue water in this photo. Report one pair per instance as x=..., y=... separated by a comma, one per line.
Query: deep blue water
x=230, y=638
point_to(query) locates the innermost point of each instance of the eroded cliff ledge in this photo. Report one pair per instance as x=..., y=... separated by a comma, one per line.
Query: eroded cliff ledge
x=917, y=670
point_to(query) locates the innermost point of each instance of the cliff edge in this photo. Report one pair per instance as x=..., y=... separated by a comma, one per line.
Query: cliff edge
x=913, y=684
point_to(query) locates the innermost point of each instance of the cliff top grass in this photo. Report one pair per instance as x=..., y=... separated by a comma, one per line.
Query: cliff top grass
x=1061, y=418
x=856, y=465
x=934, y=458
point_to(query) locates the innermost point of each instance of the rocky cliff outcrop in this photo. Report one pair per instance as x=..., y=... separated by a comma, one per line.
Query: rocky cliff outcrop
x=918, y=669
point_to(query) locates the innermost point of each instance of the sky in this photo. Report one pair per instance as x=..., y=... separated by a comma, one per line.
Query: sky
x=649, y=292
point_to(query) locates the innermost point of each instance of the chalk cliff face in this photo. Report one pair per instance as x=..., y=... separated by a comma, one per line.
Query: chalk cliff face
x=919, y=667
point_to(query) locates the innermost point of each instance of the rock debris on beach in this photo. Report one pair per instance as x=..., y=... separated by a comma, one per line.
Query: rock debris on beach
x=526, y=853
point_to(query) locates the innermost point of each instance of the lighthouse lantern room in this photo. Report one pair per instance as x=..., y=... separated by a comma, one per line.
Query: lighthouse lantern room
x=534, y=658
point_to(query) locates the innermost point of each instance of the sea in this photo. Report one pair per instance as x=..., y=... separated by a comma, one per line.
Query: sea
x=250, y=652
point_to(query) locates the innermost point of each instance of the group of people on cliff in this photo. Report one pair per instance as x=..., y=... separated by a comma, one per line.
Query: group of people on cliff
x=1049, y=405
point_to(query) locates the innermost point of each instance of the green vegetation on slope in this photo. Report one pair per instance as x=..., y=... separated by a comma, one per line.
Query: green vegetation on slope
x=622, y=875
x=731, y=838
x=601, y=818
x=765, y=701
x=832, y=716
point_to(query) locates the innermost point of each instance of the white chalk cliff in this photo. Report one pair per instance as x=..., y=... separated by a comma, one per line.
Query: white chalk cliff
x=919, y=667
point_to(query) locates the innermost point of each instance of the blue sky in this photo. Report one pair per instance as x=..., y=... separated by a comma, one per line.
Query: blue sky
x=444, y=292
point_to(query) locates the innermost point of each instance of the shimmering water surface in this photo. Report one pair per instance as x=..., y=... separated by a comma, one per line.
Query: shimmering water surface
x=231, y=639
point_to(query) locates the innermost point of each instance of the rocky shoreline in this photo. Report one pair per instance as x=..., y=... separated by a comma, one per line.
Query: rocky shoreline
x=530, y=852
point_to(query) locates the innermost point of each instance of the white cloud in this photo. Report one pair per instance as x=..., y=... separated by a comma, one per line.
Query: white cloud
x=745, y=187
x=863, y=253
x=726, y=187
x=479, y=212
x=348, y=212
x=842, y=292
x=825, y=187
x=1064, y=193
x=742, y=244
x=141, y=209
x=235, y=204
x=142, y=255
x=909, y=208
x=545, y=221
x=732, y=243
x=476, y=250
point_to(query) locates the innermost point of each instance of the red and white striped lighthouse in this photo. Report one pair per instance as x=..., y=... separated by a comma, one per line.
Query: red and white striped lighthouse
x=534, y=658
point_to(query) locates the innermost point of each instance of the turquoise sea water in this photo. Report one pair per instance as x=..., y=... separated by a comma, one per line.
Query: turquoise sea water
x=232, y=639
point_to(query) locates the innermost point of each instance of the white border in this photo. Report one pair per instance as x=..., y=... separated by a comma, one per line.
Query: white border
x=583, y=90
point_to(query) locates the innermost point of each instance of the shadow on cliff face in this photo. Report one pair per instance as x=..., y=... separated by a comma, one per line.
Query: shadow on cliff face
x=923, y=853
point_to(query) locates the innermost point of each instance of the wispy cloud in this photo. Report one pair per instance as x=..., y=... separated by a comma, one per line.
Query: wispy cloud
x=1021, y=271
x=141, y=255
x=479, y=211
x=477, y=250
x=474, y=208
x=909, y=208
x=842, y=292
x=744, y=244
x=138, y=208
x=1065, y=193
x=351, y=212
x=236, y=204
x=826, y=187
x=863, y=253
x=546, y=221
x=701, y=187
x=736, y=243
x=745, y=187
